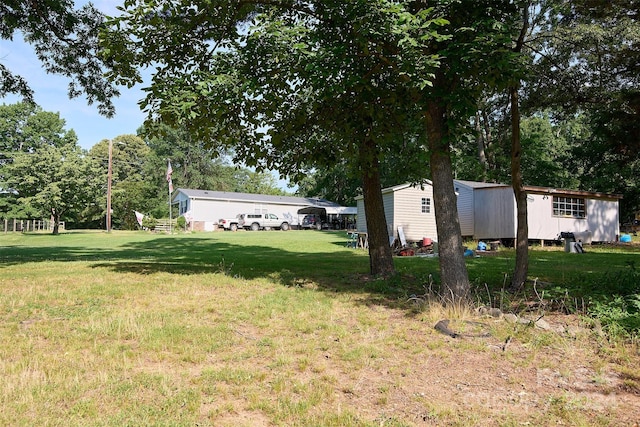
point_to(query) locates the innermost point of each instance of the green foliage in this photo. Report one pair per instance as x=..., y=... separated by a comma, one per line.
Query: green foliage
x=65, y=39
x=181, y=222
x=149, y=222
x=53, y=181
x=42, y=162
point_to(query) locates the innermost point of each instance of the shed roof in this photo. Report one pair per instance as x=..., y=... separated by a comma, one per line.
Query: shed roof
x=474, y=184
x=560, y=191
x=528, y=188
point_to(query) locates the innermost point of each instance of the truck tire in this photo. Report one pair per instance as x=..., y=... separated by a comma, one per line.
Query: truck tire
x=233, y=227
x=255, y=226
x=284, y=226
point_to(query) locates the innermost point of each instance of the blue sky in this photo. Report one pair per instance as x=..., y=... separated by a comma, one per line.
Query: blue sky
x=50, y=93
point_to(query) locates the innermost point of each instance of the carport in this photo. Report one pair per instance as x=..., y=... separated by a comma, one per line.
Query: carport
x=331, y=217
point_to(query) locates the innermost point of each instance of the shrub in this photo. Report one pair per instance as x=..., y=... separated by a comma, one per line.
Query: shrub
x=149, y=223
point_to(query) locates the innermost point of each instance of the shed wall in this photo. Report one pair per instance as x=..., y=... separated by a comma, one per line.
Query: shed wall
x=402, y=208
x=361, y=219
x=495, y=213
x=601, y=220
x=466, y=213
x=408, y=213
x=603, y=217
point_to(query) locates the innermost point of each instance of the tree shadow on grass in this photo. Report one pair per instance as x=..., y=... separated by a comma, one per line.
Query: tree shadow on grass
x=336, y=269
x=332, y=270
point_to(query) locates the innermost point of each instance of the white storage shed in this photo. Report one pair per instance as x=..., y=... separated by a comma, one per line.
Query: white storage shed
x=488, y=211
x=406, y=206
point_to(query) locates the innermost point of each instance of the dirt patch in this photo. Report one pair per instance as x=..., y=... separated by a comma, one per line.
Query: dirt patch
x=540, y=378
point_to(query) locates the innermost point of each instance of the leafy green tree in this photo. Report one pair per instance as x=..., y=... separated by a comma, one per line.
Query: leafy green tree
x=305, y=84
x=317, y=83
x=26, y=127
x=29, y=136
x=475, y=54
x=133, y=187
x=586, y=65
x=65, y=39
x=54, y=181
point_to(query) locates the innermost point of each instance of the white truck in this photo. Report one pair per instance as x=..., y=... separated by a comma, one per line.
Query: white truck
x=228, y=223
x=255, y=222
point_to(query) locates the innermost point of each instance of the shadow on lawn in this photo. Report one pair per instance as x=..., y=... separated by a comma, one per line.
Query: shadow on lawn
x=332, y=271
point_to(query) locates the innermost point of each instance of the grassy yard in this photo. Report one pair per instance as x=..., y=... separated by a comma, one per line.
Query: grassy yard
x=287, y=328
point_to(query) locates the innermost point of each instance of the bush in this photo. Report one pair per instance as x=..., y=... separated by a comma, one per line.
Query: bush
x=181, y=222
x=149, y=223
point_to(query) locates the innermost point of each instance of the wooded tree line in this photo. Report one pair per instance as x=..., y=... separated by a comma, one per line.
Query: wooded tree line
x=392, y=91
x=45, y=174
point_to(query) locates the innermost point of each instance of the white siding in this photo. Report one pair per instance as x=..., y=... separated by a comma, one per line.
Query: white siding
x=543, y=224
x=213, y=210
x=403, y=208
x=601, y=220
x=604, y=220
x=490, y=213
x=389, y=201
x=407, y=213
x=361, y=219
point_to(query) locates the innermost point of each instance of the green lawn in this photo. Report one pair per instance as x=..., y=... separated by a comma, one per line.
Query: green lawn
x=287, y=328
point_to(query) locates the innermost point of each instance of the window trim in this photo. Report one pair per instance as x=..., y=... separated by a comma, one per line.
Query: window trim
x=425, y=205
x=569, y=207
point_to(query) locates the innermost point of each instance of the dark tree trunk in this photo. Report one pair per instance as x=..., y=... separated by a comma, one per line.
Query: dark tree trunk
x=480, y=143
x=453, y=269
x=522, y=235
x=380, y=255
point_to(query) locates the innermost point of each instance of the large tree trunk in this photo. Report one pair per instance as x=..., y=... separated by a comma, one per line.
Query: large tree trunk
x=522, y=235
x=380, y=255
x=453, y=270
x=55, y=217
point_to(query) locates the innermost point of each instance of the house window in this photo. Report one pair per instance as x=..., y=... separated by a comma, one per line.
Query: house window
x=426, y=205
x=569, y=207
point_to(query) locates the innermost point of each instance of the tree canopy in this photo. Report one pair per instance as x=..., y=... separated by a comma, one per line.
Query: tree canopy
x=65, y=40
x=297, y=85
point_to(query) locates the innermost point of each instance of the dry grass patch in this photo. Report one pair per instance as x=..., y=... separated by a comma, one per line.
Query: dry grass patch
x=104, y=342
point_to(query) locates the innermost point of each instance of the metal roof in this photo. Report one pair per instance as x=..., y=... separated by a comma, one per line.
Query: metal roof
x=474, y=184
x=253, y=198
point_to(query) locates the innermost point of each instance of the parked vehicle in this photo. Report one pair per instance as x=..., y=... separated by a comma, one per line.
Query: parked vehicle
x=228, y=223
x=255, y=222
x=311, y=221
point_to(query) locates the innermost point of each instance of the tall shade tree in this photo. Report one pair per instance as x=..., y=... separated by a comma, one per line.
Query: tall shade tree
x=286, y=85
x=26, y=128
x=65, y=40
x=54, y=181
x=475, y=56
x=317, y=83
